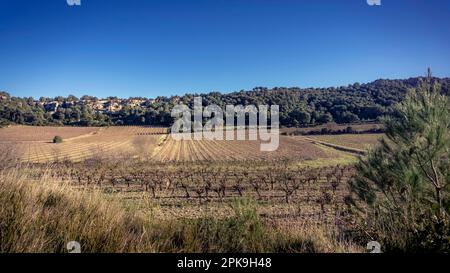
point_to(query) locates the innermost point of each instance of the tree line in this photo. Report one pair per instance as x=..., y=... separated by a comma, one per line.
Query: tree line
x=298, y=107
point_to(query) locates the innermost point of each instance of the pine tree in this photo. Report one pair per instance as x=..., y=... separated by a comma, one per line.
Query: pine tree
x=403, y=185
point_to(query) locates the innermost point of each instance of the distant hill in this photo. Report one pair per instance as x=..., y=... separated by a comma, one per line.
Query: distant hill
x=298, y=106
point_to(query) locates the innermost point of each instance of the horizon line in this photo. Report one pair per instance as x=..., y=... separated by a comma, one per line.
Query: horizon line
x=230, y=92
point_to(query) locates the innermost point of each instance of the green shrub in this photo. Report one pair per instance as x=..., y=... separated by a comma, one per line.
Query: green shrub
x=57, y=139
x=402, y=187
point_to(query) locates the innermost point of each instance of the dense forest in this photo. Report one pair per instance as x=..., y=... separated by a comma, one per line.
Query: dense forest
x=298, y=107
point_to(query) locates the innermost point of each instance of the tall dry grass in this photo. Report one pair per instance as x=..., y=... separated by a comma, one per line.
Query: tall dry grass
x=43, y=215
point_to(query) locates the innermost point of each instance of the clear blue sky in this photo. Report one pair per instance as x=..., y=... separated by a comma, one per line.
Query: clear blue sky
x=165, y=47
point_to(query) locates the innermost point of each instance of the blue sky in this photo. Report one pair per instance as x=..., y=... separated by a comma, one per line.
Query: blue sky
x=165, y=47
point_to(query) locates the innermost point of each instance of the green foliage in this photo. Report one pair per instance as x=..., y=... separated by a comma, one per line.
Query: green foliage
x=298, y=107
x=4, y=123
x=403, y=186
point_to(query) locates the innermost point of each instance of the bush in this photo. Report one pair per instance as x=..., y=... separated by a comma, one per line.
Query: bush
x=4, y=123
x=403, y=186
x=57, y=139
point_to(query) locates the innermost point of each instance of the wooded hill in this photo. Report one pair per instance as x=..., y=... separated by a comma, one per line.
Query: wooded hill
x=298, y=106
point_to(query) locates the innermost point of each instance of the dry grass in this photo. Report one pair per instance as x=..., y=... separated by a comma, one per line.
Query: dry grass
x=42, y=134
x=42, y=215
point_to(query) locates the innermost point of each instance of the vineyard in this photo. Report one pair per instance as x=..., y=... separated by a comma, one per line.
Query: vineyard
x=42, y=134
x=34, y=144
x=303, y=180
x=78, y=145
x=223, y=150
x=149, y=172
x=285, y=193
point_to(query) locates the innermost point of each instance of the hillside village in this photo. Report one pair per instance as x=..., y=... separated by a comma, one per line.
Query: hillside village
x=103, y=105
x=106, y=106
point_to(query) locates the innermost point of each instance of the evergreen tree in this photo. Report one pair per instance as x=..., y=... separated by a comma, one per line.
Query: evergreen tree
x=403, y=185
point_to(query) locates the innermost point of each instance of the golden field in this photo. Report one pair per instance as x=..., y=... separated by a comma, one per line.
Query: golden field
x=34, y=144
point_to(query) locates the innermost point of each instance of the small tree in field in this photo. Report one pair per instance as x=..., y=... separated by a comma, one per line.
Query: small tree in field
x=403, y=185
x=57, y=139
